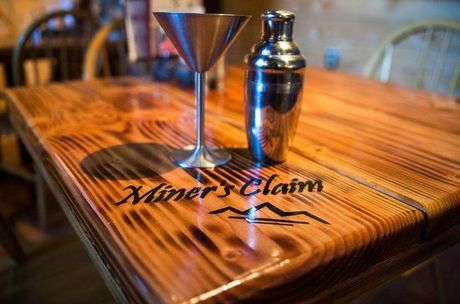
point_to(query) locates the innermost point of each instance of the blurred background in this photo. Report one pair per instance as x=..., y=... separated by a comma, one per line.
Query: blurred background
x=414, y=43
x=347, y=33
x=353, y=29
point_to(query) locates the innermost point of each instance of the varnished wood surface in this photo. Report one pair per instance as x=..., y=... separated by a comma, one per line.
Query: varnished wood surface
x=401, y=142
x=389, y=178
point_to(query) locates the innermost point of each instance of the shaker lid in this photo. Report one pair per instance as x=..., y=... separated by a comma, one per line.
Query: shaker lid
x=277, y=25
x=280, y=15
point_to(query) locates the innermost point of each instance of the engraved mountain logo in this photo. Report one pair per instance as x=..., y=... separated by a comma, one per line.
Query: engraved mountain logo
x=279, y=215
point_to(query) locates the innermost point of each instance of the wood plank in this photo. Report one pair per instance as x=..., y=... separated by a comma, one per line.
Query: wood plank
x=405, y=143
x=395, y=156
x=421, y=106
x=95, y=139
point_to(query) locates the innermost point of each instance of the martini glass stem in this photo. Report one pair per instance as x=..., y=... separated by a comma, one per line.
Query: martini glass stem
x=200, y=93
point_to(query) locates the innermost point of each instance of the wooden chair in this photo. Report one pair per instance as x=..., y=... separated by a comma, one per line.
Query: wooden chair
x=96, y=60
x=60, y=46
x=437, y=44
x=7, y=237
x=8, y=31
x=54, y=45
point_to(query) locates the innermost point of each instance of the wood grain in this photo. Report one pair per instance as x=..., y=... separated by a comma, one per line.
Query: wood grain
x=399, y=141
x=94, y=139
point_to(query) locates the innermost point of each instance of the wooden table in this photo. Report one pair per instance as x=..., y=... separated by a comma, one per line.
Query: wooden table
x=370, y=189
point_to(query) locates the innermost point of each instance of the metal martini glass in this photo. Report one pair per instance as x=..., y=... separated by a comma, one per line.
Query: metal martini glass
x=201, y=40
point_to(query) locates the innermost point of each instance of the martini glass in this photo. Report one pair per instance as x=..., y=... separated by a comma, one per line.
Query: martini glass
x=201, y=40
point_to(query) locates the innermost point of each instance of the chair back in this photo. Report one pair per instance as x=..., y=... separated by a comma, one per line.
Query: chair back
x=106, y=54
x=7, y=33
x=51, y=47
x=436, y=64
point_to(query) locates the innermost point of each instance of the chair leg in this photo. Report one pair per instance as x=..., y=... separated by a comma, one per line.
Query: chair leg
x=11, y=243
x=41, y=200
x=438, y=280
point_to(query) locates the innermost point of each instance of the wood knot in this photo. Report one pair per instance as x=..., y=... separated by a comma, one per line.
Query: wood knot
x=232, y=255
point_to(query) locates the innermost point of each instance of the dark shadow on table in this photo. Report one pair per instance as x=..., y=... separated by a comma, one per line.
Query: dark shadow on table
x=151, y=160
x=129, y=161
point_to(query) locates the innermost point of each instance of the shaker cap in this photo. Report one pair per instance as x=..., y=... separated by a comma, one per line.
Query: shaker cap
x=276, y=49
x=277, y=25
x=280, y=15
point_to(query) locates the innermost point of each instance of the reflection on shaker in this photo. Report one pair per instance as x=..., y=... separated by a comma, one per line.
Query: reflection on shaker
x=273, y=89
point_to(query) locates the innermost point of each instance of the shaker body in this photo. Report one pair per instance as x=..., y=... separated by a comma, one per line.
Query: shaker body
x=274, y=79
x=273, y=104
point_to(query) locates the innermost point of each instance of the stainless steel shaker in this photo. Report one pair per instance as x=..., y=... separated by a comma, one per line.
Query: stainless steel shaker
x=273, y=89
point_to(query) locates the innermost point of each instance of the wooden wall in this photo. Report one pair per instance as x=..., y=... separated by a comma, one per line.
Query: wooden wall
x=22, y=12
x=355, y=27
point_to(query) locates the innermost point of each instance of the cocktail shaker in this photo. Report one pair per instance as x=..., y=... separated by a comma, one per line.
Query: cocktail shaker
x=273, y=89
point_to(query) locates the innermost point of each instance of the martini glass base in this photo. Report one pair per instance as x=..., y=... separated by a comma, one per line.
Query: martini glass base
x=201, y=157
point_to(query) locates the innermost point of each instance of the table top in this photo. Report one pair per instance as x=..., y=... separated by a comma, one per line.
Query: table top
x=374, y=172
